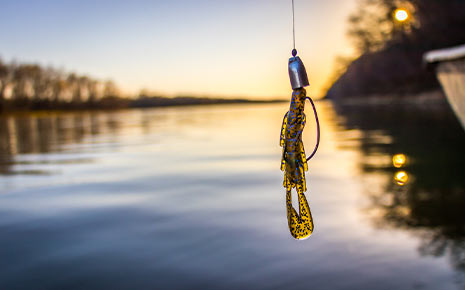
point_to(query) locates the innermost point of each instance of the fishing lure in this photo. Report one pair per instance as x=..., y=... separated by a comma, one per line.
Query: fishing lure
x=293, y=161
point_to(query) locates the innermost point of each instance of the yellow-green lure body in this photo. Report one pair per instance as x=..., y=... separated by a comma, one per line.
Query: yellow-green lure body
x=294, y=165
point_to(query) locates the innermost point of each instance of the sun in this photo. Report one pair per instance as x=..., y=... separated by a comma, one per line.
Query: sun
x=401, y=15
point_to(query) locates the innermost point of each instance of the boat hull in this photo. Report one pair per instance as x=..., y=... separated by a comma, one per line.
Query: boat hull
x=449, y=64
x=451, y=75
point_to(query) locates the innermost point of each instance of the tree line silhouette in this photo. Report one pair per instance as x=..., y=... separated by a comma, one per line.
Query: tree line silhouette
x=31, y=86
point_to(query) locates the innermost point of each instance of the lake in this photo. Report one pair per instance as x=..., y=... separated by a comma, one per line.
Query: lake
x=192, y=198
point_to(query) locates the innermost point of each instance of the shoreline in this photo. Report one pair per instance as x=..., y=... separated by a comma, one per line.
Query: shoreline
x=423, y=99
x=58, y=109
x=164, y=103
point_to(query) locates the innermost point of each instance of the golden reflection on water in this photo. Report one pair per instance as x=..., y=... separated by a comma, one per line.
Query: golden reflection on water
x=401, y=177
x=399, y=160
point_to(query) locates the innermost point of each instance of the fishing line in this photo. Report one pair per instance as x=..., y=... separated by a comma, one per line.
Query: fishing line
x=294, y=53
x=293, y=25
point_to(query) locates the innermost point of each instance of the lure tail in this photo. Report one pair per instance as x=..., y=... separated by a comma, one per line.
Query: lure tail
x=301, y=224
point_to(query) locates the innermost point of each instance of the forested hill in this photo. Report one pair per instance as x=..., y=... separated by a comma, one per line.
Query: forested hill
x=390, y=61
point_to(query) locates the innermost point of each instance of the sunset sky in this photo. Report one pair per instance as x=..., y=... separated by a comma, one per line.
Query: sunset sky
x=214, y=48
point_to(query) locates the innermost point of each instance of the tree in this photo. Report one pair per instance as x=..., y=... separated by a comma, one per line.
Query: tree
x=73, y=85
x=92, y=89
x=39, y=82
x=110, y=89
x=371, y=25
x=21, y=82
x=4, y=80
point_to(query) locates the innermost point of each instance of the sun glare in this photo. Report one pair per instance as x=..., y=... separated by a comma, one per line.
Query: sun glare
x=401, y=15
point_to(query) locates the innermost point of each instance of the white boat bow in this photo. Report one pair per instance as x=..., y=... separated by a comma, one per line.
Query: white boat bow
x=450, y=69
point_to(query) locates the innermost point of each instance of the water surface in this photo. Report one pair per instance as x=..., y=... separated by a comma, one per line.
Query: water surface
x=192, y=197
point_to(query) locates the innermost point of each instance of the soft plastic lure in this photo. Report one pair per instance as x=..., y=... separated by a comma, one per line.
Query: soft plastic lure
x=294, y=161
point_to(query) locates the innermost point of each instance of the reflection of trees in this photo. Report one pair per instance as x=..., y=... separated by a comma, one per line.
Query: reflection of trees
x=53, y=132
x=433, y=200
x=44, y=134
x=437, y=244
